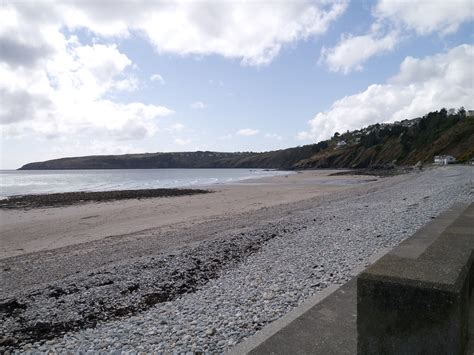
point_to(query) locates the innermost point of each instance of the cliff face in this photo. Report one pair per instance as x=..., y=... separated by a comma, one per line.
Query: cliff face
x=402, y=143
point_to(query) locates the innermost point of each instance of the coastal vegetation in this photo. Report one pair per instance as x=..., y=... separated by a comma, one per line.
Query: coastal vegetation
x=404, y=142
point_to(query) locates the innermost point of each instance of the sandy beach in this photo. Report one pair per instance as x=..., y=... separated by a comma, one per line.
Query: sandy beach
x=201, y=273
x=40, y=229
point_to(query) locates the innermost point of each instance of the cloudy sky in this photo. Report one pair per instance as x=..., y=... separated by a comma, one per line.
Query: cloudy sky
x=109, y=77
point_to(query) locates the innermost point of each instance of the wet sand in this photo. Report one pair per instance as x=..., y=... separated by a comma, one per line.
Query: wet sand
x=42, y=229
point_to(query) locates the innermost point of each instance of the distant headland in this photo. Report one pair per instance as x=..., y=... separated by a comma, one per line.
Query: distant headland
x=404, y=142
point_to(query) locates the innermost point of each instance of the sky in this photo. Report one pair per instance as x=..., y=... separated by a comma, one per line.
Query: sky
x=106, y=77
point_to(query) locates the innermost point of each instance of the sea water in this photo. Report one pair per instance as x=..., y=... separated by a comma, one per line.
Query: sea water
x=23, y=182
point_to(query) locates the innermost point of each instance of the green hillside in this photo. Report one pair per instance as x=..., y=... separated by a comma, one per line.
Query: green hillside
x=401, y=143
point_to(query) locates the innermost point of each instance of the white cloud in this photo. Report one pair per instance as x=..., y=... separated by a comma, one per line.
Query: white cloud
x=352, y=51
x=68, y=92
x=247, y=132
x=52, y=85
x=198, y=105
x=253, y=32
x=426, y=17
x=395, y=20
x=217, y=27
x=157, y=78
x=422, y=85
x=129, y=84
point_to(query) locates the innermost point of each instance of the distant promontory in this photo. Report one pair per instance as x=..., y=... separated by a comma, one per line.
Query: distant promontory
x=402, y=143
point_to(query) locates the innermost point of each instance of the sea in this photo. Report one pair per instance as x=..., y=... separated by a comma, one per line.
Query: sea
x=25, y=182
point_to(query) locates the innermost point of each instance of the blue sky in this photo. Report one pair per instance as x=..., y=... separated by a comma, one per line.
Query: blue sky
x=225, y=76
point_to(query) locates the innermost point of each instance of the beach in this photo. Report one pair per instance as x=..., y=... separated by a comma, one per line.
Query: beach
x=43, y=229
x=202, y=272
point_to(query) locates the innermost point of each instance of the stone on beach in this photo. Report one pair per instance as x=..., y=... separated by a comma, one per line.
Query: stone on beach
x=254, y=287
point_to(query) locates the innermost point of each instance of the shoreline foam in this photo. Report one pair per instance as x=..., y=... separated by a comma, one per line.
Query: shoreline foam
x=40, y=229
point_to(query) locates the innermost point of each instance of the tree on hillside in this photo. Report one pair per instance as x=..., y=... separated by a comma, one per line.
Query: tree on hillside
x=443, y=113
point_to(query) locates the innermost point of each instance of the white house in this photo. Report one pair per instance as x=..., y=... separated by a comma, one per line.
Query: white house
x=444, y=159
x=469, y=113
x=341, y=144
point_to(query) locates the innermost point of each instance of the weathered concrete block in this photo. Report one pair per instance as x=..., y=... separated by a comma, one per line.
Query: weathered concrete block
x=397, y=318
x=415, y=300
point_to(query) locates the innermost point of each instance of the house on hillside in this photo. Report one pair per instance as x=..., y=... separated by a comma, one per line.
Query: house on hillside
x=470, y=113
x=444, y=159
x=408, y=123
x=451, y=112
x=341, y=144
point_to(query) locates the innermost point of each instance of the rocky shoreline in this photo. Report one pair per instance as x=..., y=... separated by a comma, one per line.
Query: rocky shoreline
x=119, y=290
x=378, y=170
x=70, y=198
x=211, y=295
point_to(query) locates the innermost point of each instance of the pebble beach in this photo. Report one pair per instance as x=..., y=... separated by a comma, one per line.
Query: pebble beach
x=211, y=293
